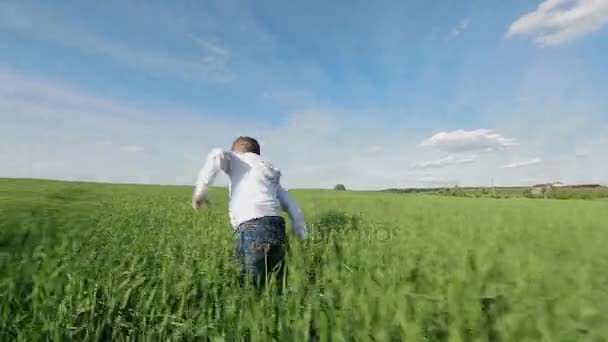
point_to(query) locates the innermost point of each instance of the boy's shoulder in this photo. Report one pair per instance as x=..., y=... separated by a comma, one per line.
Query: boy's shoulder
x=219, y=152
x=251, y=159
x=270, y=166
x=271, y=172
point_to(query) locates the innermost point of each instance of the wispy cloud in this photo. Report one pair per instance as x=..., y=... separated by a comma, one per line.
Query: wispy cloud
x=467, y=141
x=215, y=57
x=58, y=131
x=436, y=181
x=209, y=62
x=427, y=178
x=62, y=132
x=132, y=148
x=558, y=21
x=462, y=25
x=524, y=163
x=582, y=154
x=446, y=161
x=373, y=149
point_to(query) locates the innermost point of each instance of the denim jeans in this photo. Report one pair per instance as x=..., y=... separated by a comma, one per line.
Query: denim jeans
x=261, y=248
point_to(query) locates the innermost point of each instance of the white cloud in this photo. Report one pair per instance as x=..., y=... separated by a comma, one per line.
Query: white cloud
x=61, y=132
x=132, y=149
x=373, y=149
x=58, y=131
x=558, y=21
x=55, y=130
x=463, y=141
x=462, y=25
x=424, y=178
x=446, y=161
x=434, y=181
x=524, y=163
x=582, y=154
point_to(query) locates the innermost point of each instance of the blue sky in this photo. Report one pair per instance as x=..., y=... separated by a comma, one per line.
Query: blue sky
x=389, y=94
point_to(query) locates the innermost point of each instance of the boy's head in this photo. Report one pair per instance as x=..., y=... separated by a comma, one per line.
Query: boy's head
x=246, y=144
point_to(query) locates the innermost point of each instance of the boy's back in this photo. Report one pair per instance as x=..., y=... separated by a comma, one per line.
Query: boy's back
x=254, y=187
x=256, y=200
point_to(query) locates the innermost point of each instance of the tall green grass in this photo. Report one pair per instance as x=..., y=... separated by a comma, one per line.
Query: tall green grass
x=100, y=262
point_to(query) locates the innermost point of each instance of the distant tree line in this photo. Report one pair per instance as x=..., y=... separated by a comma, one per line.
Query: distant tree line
x=510, y=192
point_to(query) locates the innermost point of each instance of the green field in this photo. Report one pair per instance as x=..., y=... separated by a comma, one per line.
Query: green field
x=98, y=262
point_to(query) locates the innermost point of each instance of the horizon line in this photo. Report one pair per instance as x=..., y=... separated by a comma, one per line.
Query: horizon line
x=298, y=188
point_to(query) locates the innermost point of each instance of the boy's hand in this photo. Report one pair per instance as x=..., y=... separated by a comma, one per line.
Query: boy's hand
x=198, y=203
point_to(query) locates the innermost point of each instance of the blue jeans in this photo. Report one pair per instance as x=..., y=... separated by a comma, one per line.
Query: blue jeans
x=261, y=248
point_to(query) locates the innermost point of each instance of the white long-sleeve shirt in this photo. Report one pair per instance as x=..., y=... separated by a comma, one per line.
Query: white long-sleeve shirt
x=254, y=188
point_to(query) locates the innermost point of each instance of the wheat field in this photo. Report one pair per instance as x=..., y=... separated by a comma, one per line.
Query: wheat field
x=98, y=262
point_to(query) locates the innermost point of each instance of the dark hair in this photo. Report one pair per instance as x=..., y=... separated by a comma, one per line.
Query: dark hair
x=247, y=144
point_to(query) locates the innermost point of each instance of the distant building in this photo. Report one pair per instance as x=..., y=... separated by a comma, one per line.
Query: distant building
x=547, y=189
x=538, y=190
x=582, y=186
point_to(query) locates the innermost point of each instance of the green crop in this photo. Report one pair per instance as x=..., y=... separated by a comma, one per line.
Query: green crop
x=122, y=262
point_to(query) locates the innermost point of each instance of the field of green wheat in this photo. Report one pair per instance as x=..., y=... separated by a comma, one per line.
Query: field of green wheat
x=122, y=262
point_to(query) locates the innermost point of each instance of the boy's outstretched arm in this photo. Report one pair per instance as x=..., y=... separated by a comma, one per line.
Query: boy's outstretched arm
x=293, y=210
x=216, y=160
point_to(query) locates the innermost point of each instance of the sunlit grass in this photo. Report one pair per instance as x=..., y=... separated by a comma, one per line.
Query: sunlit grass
x=94, y=261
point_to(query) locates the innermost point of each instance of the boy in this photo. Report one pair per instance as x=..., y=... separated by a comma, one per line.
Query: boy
x=256, y=200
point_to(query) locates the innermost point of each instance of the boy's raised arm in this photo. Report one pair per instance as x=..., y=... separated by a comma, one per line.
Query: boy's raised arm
x=293, y=210
x=216, y=160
